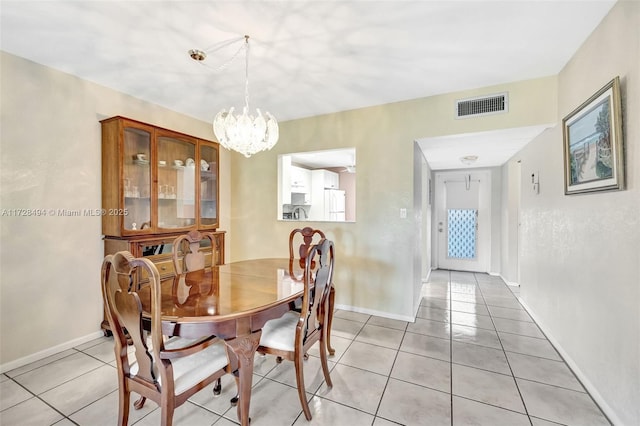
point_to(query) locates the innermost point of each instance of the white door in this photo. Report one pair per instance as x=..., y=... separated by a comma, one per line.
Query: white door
x=463, y=217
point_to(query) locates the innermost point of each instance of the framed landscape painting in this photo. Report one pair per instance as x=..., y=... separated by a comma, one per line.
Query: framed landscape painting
x=593, y=146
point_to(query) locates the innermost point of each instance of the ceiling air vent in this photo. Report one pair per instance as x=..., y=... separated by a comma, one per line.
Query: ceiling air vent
x=484, y=105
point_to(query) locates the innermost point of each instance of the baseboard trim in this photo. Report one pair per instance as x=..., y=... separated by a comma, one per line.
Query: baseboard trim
x=593, y=391
x=510, y=283
x=376, y=313
x=20, y=362
x=426, y=279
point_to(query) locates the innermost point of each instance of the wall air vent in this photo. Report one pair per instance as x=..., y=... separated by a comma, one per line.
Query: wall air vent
x=484, y=105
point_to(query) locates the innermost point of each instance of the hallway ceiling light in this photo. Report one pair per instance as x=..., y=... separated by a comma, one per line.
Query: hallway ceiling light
x=469, y=159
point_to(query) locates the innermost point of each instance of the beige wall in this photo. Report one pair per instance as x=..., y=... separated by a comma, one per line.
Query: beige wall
x=379, y=255
x=50, y=159
x=580, y=265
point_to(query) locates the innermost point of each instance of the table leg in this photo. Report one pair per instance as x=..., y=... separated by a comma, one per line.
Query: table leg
x=244, y=347
x=332, y=298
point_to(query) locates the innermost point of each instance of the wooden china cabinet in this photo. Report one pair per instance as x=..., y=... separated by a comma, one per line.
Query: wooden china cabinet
x=157, y=184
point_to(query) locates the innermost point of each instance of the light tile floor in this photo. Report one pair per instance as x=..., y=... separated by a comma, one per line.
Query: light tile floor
x=472, y=357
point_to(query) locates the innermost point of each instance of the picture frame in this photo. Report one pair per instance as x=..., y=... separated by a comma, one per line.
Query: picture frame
x=593, y=143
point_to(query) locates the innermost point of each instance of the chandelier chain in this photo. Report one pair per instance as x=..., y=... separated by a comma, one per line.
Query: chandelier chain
x=246, y=72
x=230, y=61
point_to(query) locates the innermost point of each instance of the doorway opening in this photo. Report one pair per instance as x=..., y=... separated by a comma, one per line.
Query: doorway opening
x=463, y=218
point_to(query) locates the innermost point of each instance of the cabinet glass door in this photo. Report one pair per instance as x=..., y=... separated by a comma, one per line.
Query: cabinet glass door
x=176, y=183
x=137, y=179
x=208, y=185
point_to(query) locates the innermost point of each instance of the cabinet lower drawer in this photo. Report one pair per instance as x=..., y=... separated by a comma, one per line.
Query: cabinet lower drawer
x=165, y=268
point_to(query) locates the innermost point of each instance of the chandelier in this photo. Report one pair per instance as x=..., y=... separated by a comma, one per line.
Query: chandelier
x=243, y=133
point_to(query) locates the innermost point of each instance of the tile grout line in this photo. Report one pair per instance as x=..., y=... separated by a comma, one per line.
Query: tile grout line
x=77, y=351
x=395, y=358
x=337, y=361
x=92, y=402
x=575, y=376
x=485, y=285
x=41, y=400
x=504, y=352
x=450, y=349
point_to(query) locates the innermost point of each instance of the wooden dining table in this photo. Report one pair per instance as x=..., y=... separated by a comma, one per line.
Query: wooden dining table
x=232, y=301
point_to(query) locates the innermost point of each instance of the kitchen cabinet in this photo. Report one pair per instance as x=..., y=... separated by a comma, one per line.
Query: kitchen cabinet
x=329, y=179
x=300, y=180
x=295, y=185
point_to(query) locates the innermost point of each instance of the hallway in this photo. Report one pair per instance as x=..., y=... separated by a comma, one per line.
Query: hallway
x=498, y=355
x=472, y=357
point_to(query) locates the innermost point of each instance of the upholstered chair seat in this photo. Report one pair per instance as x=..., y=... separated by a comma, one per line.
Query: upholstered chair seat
x=192, y=369
x=280, y=333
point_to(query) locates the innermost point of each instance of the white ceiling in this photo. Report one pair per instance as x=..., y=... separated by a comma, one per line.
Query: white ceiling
x=307, y=57
x=492, y=148
x=329, y=158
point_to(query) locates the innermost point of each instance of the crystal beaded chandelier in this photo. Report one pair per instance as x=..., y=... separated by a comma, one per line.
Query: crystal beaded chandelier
x=245, y=133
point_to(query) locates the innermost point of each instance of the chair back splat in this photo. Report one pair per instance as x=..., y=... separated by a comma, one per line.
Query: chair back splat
x=189, y=259
x=305, y=238
x=188, y=246
x=316, y=291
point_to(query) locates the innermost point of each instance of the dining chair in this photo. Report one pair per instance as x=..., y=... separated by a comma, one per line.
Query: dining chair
x=290, y=336
x=167, y=370
x=305, y=237
x=187, y=258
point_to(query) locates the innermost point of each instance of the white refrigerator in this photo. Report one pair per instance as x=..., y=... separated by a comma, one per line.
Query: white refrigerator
x=334, y=200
